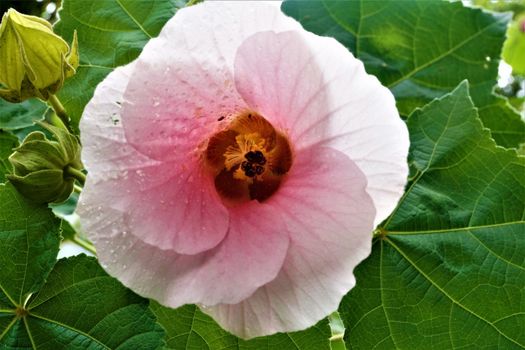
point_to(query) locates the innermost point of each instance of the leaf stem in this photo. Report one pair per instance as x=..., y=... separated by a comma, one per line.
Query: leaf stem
x=60, y=111
x=84, y=244
x=379, y=232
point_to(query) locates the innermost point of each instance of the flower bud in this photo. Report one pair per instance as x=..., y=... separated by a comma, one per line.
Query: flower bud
x=34, y=61
x=45, y=170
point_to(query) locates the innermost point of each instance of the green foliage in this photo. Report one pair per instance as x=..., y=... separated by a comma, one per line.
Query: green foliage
x=421, y=50
x=74, y=305
x=514, y=48
x=111, y=33
x=21, y=115
x=29, y=238
x=448, y=269
x=81, y=307
x=188, y=328
x=7, y=143
x=516, y=6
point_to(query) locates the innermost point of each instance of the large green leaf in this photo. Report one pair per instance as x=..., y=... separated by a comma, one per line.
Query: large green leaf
x=421, y=50
x=188, y=328
x=7, y=143
x=448, y=267
x=29, y=239
x=111, y=33
x=81, y=307
x=21, y=115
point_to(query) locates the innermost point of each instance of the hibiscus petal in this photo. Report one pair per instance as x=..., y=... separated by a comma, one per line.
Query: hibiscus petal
x=106, y=146
x=170, y=205
x=329, y=218
x=313, y=88
x=250, y=256
x=184, y=78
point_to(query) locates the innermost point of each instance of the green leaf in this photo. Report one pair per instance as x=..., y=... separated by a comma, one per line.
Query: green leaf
x=421, y=50
x=111, y=33
x=447, y=269
x=514, y=47
x=29, y=239
x=67, y=208
x=7, y=143
x=188, y=328
x=20, y=115
x=81, y=307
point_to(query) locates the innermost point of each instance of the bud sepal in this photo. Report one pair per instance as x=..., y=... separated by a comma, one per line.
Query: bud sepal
x=45, y=170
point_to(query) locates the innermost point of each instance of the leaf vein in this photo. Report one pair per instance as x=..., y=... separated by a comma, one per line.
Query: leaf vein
x=71, y=328
x=452, y=299
x=443, y=55
x=134, y=19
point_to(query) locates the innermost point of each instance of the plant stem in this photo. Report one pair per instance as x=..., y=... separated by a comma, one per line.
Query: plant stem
x=59, y=110
x=84, y=244
x=193, y=2
x=77, y=174
x=53, y=119
x=338, y=331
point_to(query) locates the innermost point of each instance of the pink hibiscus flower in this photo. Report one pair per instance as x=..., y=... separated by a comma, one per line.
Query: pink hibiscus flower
x=240, y=163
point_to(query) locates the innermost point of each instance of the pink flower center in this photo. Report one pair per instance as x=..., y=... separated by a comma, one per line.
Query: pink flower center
x=248, y=159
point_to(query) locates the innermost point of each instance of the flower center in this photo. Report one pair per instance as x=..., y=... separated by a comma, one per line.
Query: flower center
x=248, y=159
x=254, y=164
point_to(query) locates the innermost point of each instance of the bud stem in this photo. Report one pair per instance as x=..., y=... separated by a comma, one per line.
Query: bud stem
x=77, y=174
x=59, y=110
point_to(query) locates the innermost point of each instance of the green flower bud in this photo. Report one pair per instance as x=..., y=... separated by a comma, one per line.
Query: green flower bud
x=34, y=61
x=45, y=170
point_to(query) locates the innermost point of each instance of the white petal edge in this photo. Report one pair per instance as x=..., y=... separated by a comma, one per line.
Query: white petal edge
x=125, y=178
x=248, y=257
x=187, y=72
x=364, y=124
